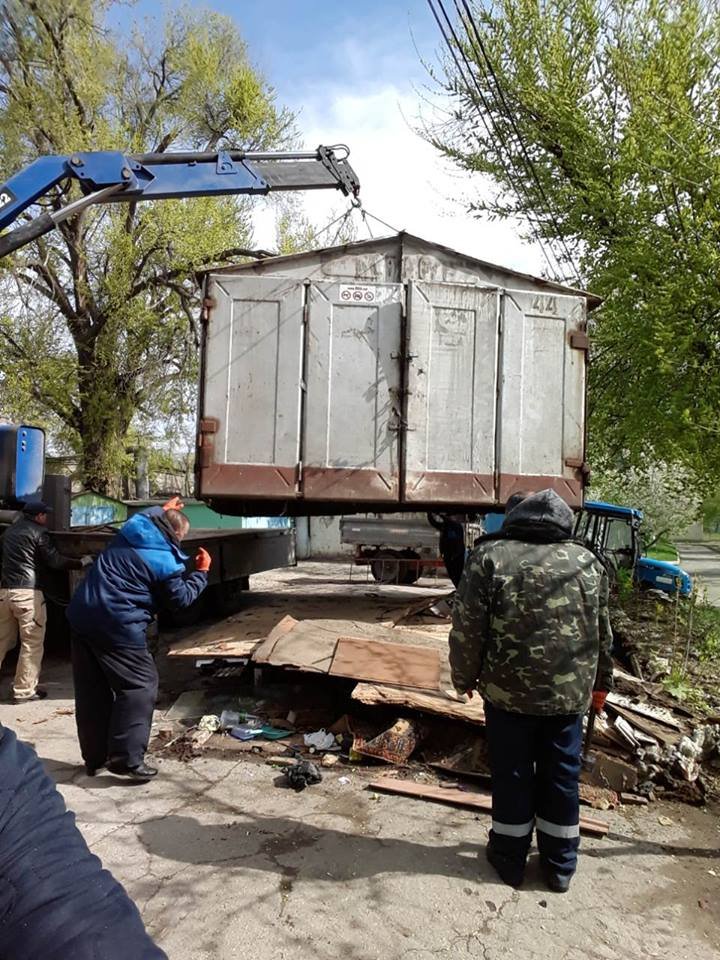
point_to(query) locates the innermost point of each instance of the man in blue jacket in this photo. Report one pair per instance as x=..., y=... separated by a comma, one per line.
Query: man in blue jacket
x=116, y=681
x=56, y=900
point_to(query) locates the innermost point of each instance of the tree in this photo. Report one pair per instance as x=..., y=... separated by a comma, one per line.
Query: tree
x=597, y=122
x=661, y=492
x=97, y=322
x=296, y=233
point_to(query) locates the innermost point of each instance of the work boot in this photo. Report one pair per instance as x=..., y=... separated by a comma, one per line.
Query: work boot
x=39, y=694
x=91, y=770
x=557, y=882
x=142, y=772
x=510, y=872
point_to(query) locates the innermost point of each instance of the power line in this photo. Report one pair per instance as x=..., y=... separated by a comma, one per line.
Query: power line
x=517, y=185
x=528, y=162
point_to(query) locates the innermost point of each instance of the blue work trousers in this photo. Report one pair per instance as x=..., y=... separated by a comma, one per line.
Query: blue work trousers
x=535, y=767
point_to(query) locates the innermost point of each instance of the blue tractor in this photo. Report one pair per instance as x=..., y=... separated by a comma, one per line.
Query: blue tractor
x=614, y=531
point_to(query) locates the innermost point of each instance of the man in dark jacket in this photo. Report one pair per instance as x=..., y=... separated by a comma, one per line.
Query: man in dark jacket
x=531, y=631
x=26, y=553
x=116, y=681
x=56, y=900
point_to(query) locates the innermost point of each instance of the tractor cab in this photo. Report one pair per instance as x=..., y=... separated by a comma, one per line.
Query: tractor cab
x=614, y=532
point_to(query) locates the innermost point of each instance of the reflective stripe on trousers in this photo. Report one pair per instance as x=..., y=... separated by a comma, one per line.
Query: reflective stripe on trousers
x=513, y=829
x=558, y=830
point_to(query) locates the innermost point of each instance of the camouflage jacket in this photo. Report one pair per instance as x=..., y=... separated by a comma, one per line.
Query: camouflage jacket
x=531, y=627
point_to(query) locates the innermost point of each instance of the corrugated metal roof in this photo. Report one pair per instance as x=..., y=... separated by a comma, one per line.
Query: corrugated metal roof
x=593, y=300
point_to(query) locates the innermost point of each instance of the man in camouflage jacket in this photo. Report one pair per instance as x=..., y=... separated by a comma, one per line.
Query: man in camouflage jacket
x=531, y=632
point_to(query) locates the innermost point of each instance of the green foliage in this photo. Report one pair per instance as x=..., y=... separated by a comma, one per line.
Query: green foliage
x=616, y=103
x=624, y=583
x=296, y=233
x=97, y=320
x=680, y=686
x=711, y=514
x=706, y=632
x=666, y=495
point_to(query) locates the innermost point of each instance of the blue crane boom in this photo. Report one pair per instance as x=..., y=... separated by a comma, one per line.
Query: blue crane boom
x=115, y=177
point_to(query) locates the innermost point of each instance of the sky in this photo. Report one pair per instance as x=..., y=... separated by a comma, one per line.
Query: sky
x=353, y=73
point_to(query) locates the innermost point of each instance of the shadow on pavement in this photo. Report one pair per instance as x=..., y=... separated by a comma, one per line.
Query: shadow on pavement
x=633, y=845
x=317, y=853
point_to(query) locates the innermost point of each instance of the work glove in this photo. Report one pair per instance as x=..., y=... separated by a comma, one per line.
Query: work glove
x=203, y=560
x=86, y=560
x=174, y=503
x=598, y=700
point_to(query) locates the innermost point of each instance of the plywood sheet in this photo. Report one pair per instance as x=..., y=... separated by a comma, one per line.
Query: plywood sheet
x=445, y=704
x=382, y=662
x=306, y=645
x=464, y=798
x=223, y=646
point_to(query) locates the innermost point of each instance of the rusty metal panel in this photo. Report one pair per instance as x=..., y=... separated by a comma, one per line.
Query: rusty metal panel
x=353, y=402
x=251, y=388
x=452, y=392
x=541, y=424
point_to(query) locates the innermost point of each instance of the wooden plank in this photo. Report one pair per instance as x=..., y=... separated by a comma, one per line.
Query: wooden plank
x=226, y=638
x=650, y=727
x=443, y=703
x=221, y=647
x=380, y=662
x=658, y=714
x=465, y=798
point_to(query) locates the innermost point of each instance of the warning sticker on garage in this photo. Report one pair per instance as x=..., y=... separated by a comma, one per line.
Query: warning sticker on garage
x=358, y=293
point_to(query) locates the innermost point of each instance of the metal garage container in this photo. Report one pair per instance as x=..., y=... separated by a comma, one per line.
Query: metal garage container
x=386, y=375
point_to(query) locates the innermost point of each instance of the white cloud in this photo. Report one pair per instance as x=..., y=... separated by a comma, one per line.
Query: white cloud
x=403, y=179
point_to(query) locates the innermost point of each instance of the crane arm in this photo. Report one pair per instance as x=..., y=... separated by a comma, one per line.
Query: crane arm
x=114, y=177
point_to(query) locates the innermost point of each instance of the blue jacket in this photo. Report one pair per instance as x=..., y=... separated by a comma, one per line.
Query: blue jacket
x=56, y=901
x=141, y=572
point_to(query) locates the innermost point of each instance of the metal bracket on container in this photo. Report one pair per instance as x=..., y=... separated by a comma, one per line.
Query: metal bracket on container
x=208, y=304
x=405, y=357
x=208, y=427
x=575, y=463
x=400, y=424
x=579, y=340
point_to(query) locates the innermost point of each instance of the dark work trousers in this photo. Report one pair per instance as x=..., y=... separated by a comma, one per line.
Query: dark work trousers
x=535, y=767
x=115, y=693
x=452, y=549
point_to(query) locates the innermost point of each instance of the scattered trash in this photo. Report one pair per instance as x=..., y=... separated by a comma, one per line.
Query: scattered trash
x=344, y=780
x=245, y=733
x=330, y=760
x=209, y=722
x=301, y=774
x=229, y=719
x=395, y=745
x=188, y=706
x=633, y=799
x=665, y=821
x=598, y=797
x=273, y=733
x=320, y=740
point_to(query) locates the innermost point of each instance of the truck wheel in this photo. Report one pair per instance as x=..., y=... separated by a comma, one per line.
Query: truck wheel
x=385, y=567
x=410, y=572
